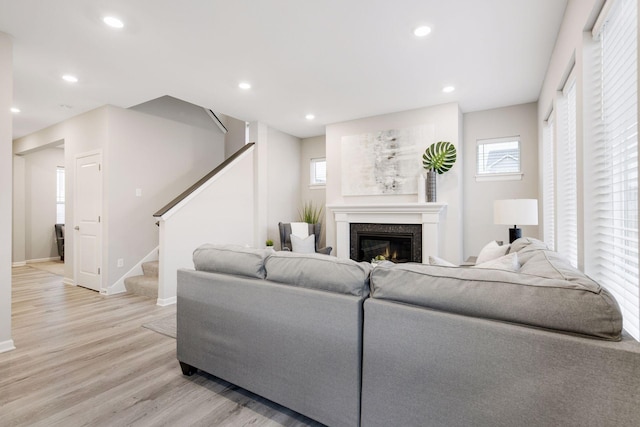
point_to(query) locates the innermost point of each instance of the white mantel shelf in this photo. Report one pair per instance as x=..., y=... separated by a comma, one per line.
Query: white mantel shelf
x=430, y=215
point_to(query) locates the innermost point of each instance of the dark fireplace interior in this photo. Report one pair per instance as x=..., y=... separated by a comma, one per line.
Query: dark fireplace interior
x=392, y=242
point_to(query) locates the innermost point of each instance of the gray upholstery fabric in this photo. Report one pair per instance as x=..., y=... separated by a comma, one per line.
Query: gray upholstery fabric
x=231, y=259
x=319, y=271
x=578, y=305
x=298, y=347
x=427, y=368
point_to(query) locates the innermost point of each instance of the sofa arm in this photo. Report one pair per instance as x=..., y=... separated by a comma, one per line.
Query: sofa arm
x=325, y=251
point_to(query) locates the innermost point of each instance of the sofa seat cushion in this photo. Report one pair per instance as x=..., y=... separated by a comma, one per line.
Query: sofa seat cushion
x=231, y=259
x=318, y=271
x=578, y=306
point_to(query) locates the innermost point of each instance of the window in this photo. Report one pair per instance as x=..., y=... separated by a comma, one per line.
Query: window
x=318, y=168
x=498, y=158
x=60, y=195
x=613, y=230
x=567, y=179
x=548, y=183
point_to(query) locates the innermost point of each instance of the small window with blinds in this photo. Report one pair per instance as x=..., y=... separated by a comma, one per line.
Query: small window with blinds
x=318, y=169
x=498, y=159
x=614, y=194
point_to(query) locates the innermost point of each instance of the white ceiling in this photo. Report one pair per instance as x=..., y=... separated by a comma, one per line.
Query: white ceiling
x=338, y=59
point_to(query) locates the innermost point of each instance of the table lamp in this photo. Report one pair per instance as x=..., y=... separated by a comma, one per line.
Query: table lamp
x=515, y=211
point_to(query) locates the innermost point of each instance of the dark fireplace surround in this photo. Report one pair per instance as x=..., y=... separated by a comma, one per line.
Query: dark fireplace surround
x=396, y=242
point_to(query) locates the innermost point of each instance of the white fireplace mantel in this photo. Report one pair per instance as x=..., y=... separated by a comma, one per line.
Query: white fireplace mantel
x=430, y=215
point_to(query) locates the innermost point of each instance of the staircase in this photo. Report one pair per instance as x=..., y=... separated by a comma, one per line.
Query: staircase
x=146, y=284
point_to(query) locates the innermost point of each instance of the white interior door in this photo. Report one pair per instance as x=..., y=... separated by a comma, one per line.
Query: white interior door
x=87, y=214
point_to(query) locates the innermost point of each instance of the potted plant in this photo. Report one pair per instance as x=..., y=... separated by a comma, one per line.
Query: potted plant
x=438, y=158
x=310, y=213
x=269, y=243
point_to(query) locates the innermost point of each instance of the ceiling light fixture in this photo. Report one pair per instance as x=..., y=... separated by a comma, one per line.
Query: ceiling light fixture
x=15, y=110
x=113, y=22
x=244, y=86
x=448, y=89
x=309, y=117
x=422, y=31
x=69, y=78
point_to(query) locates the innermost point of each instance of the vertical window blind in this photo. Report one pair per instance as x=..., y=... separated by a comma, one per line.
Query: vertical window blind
x=566, y=197
x=615, y=164
x=548, y=183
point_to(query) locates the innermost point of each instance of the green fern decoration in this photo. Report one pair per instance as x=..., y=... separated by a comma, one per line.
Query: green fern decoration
x=310, y=213
x=439, y=157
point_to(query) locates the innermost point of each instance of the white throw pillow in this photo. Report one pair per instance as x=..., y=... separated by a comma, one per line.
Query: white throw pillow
x=508, y=262
x=491, y=251
x=303, y=245
x=434, y=260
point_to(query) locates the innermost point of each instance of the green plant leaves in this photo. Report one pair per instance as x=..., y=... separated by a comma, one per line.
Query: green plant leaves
x=439, y=156
x=310, y=213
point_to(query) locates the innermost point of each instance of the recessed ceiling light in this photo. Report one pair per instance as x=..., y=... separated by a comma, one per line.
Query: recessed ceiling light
x=309, y=117
x=69, y=78
x=244, y=85
x=113, y=22
x=422, y=31
x=448, y=89
x=15, y=110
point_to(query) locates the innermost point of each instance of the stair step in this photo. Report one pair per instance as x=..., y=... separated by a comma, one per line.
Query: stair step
x=142, y=285
x=150, y=268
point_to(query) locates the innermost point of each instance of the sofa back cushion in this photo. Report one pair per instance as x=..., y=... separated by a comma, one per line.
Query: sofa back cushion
x=231, y=259
x=318, y=271
x=578, y=305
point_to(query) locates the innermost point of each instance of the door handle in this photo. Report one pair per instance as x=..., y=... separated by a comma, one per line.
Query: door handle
x=76, y=228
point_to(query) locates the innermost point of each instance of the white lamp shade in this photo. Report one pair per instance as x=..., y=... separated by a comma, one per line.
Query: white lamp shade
x=515, y=212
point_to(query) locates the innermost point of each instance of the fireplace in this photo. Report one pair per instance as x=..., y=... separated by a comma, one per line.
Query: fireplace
x=395, y=242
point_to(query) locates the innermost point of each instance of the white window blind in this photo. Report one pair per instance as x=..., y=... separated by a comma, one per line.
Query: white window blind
x=615, y=188
x=318, y=168
x=498, y=156
x=548, y=183
x=566, y=187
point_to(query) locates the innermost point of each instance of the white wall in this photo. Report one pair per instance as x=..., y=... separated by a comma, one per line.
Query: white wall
x=6, y=159
x=161, y=158
x=39, y=192
x=517, y=120
x=221, y=212
x=236, y=136
x=313, y=148
x=446, y=120
x=19, y=256
x=283, y=177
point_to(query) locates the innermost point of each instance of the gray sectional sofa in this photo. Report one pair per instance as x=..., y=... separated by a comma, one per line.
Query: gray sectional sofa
x=430, y=345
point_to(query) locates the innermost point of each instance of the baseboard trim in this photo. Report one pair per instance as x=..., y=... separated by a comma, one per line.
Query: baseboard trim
x=33, y=261
x=19, y=264
x=68, y=281
x=7, y=346
x=163, y=302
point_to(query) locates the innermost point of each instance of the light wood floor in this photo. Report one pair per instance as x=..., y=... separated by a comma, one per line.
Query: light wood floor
x=84, y=359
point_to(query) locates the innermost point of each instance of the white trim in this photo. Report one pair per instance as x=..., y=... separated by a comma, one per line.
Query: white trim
x=37, y=260
x=19, y=264
x=163, y=302
x=515, y=176
x=317, y=186
x=68, y=281
x=118, y=287
x=7, y=346
x=596, y=31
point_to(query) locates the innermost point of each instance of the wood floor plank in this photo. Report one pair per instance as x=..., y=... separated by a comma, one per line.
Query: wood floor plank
x=84, y=359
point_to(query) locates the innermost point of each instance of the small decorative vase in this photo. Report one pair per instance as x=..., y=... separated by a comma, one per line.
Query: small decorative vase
x=431, y=186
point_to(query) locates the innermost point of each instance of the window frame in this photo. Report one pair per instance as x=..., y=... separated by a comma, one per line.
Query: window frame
x=499, y=176
x=313, y=182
